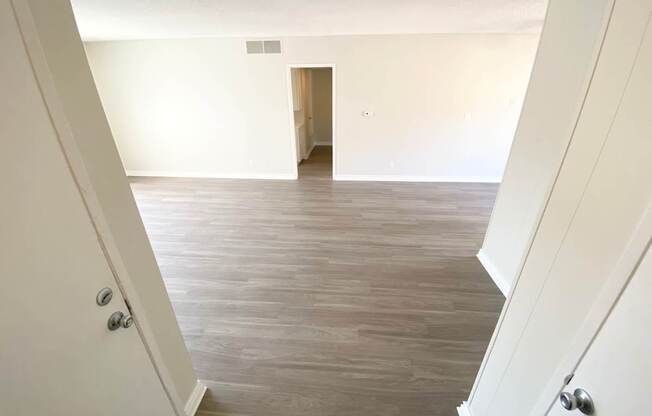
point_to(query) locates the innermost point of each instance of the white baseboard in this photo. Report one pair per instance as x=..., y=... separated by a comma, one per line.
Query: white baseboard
x=463, y=409
x=415, y=178
x=291, y=176
x=500, y=280
x=195, y=399
x=210, y=175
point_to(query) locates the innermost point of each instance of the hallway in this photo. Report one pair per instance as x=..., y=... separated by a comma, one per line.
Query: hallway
x=315, y=297
x=319, y=166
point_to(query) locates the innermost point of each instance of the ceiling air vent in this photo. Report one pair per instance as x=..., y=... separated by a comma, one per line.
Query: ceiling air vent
x=263, y=46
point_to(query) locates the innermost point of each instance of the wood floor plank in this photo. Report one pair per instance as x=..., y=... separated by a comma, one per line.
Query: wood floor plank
x=315, y=297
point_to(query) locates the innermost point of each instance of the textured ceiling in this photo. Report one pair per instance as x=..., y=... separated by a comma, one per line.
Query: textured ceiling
x=144, y=19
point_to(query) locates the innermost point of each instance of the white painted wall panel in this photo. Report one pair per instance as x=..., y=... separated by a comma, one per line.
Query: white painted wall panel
x=445, y=106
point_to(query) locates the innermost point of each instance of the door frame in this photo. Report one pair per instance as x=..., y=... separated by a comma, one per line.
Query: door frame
x=293, y=140
x=73, y=157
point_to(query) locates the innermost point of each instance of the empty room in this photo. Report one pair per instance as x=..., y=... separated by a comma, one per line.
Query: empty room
x=246, y=208
x=342, y=280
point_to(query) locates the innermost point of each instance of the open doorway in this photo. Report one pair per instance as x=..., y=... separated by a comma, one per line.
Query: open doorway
x=311, y=88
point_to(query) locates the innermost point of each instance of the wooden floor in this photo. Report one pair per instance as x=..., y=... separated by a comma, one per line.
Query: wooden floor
x=315, y=297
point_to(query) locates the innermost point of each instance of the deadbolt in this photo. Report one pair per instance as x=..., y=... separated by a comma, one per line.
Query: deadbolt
x=119, y=319
x=104, y=296
x=579, y=400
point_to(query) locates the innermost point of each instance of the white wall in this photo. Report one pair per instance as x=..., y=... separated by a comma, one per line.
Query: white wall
x=560, y=79
x=445, y=106
x=322, y=103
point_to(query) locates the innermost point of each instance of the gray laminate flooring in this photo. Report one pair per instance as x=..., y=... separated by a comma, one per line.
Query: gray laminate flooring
x=315, y=297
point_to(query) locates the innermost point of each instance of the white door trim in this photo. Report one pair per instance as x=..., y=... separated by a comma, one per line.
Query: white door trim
x=82, y=180
x=293, y=141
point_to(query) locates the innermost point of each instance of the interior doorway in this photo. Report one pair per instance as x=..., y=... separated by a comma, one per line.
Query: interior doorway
x=312, y=121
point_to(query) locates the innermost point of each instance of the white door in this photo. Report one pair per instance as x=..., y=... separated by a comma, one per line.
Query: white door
x=616, y=371
x=57, y=355
x=602, y=193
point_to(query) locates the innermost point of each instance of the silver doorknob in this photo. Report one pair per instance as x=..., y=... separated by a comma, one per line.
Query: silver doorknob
x=126, y=321
x=579, y=400
x=118, y=320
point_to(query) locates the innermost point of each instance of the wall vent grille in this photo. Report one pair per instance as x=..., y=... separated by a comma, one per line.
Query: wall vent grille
x=263, y=46
x=272, y=46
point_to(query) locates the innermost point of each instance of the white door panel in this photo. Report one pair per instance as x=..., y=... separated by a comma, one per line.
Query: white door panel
x=616, y=368
x=57, y=356
x=602, y=192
